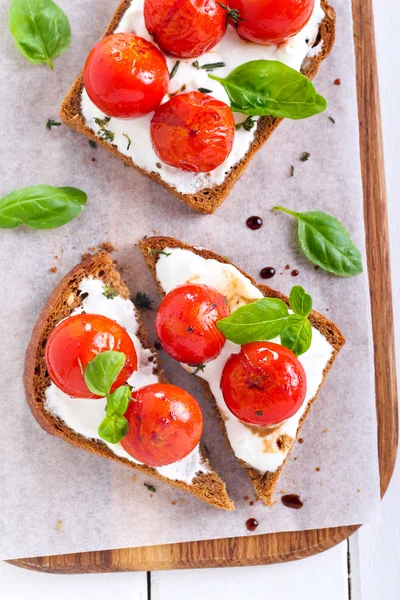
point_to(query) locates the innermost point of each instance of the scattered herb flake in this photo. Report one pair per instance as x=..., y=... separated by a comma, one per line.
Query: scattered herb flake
x=174, y=69
x=104, y=133
x=208, y=66
x=59, y=525
x=181, y=89
x=259, y=413
x=292, y=171
x=248, y=124
x=332, y=119
x=109, y=292
x=205, y=90
x=92, y=144
x=50, y=123
x=155, y=251
x=305, y=156
x=151, y=488
x=129, y=140
x=141, y=300
x=158, y=165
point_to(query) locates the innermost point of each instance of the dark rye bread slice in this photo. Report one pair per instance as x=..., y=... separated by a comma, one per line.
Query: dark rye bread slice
x=263, y=483
x=64, y=299
x=207, y=200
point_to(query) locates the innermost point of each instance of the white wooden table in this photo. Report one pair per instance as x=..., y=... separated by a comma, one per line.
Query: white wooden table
x=368, y=563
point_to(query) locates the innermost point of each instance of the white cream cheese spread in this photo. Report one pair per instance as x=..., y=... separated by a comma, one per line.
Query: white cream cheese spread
x=84, y=415
x=231, y=50
x=265, y=449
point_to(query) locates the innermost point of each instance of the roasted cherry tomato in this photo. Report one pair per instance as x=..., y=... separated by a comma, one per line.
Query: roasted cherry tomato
x=185, y=28
x=271, y=21
x=264, y=384
x=76, y=341
x=125, y=76
x=186, y=323
x=165, y=424
x=193, y=132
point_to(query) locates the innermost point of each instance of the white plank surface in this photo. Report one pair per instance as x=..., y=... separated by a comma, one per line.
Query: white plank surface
x=20, y=584
x=322, y=577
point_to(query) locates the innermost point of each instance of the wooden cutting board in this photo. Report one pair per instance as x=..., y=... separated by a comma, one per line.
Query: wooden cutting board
x=280, y=547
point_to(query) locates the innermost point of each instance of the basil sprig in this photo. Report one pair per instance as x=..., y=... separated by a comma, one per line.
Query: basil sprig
x=40, y=28
x=41, y=206
x=326, y=242
x=100, y=374
x=268, y=318
x=269, y=87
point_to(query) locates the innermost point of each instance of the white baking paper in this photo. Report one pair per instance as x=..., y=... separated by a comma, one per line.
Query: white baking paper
x=58, y=499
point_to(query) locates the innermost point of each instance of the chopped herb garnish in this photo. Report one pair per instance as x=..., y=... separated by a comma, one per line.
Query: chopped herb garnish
x=109, y=292
x=226, y=257
x=50, y=123
x=104, y=133
x=332, y=119
x=355, y=34
x=129, y=140
x=205, y=91
x=141, y=300
x=174, y=69
x=199, y=367
x=292, y=171
x=150, y=251
x=181, y=89
x=259, y=413
x=305, y=156
x=231, y=13
x=248, y=124
x=92, y=144
x=59, y=525
x=158, y=165
x=208, y=66
x=151, y=488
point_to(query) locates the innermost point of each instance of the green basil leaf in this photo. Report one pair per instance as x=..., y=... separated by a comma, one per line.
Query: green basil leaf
x=326, y=242
x=297, y=334
x=118, y=401
x=260, y=320
x=40, y=28
x=269, y=87
x=41, y=206
x=103, y=370
x=113, y=429
x=300, y=301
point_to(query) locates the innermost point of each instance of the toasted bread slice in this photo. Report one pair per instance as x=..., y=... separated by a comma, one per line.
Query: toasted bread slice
x=64, y=299
x=263, y=483
x=207, y=200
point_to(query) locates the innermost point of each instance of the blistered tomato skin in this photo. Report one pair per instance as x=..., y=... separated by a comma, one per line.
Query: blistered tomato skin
x=185, y=28
x=193, y=132
x=264, y=384
x=272, y=21
x=165, y=424
x=76, y=341
x=125, y=76
x=186, y=323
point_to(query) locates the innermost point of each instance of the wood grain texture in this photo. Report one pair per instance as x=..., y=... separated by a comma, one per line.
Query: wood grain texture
x=281, y=547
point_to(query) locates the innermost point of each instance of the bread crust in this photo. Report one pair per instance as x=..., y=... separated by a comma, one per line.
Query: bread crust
x=63, y=300
x=208, y=200
x=263, y=483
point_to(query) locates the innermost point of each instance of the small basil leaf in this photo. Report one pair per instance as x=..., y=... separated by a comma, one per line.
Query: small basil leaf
x=118, y=401
x=41, y=206
x=260, y=320
x=40, y=28
x=113, y=429
x=297, y=334
x=300, y=301
x=103, y=370
x=269, y=87
x=326, y=242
